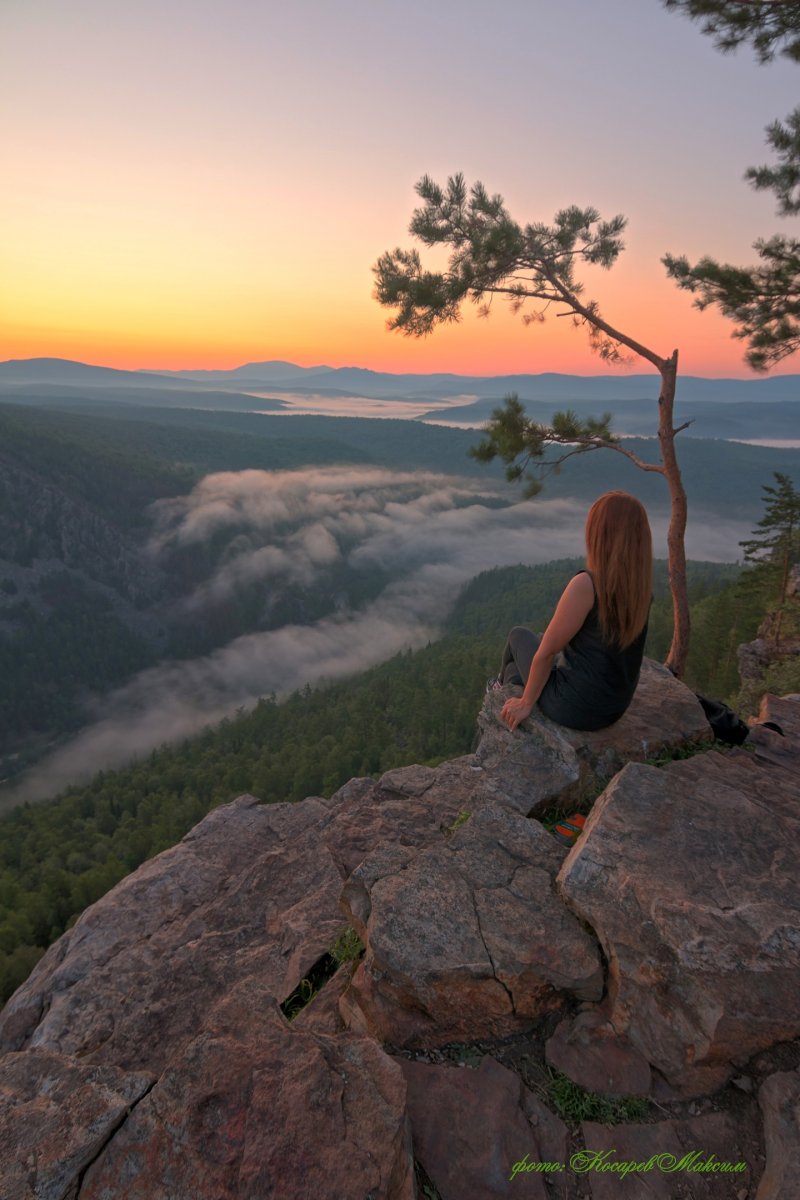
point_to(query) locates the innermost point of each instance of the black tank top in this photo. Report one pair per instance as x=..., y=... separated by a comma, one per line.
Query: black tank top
x=596, y=683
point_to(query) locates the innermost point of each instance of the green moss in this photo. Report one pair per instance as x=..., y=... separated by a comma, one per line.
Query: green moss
x=460, y=820
x=575, y=1104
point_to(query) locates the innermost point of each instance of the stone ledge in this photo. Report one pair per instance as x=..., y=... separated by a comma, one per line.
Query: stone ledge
x=542, y=763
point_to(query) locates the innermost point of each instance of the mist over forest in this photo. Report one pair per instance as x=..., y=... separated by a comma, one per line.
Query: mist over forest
x=204, y=557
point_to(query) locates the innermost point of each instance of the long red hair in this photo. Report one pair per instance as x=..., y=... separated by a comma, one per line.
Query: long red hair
x=619, y=554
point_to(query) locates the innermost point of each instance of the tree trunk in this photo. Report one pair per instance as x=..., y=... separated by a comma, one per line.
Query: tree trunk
x=676, y=549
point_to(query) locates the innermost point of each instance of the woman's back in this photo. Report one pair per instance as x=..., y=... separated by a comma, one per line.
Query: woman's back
x=595, y=682
x=583, y=670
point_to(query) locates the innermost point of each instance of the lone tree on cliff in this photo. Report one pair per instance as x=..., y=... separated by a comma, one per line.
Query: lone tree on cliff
x=763, y=300
x=534, y=267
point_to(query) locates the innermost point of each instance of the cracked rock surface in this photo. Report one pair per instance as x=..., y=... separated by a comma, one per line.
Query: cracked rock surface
x=254, y=1107
x=248, y=893
x=56, y=1115
x=689, y=877
x=408, y=806
x=466, y=939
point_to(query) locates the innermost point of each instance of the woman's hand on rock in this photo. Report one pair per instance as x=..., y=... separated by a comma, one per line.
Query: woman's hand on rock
x=515, y=711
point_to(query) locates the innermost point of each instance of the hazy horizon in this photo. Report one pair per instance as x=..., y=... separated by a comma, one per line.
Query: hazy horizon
x=623, y=371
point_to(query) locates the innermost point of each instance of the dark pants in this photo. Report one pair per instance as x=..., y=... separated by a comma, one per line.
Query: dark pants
x=518, y=655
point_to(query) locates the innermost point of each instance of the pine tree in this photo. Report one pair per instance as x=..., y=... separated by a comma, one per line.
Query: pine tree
x=776, y=549
x=534, y=267
x=763, y=300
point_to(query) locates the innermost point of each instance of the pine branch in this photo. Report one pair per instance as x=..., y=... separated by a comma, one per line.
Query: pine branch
x=783, y=179
x=762, y=301
x=770, y=26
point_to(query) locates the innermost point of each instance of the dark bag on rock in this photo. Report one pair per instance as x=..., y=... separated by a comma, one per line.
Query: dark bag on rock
x=727, y=726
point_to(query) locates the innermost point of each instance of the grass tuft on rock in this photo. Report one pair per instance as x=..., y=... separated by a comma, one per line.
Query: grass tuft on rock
x=575, y=1104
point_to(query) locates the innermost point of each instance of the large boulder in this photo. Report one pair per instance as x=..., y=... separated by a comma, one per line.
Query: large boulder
x=470, y=1128
x=250, y=893
x=466, y=939
x=253, y=1107
x=541, y=763
x=688, y=875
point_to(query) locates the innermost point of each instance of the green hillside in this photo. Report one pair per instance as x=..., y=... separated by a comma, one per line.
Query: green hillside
x=151, y=454
x=721, y=477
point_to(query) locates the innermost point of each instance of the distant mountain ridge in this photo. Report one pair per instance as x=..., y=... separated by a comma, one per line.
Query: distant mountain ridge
x=281, y=376
x=65, y=371
x=545, y=385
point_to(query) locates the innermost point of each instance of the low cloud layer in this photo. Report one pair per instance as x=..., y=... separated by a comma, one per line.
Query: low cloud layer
x=286, y=527
x=432, y=533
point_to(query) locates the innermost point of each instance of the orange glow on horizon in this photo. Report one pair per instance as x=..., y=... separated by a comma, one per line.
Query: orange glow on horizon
x=497, y=346
x=177, y=195
x=129, y=288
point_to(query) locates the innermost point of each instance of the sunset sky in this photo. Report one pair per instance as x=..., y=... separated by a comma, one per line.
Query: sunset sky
x=204, y=183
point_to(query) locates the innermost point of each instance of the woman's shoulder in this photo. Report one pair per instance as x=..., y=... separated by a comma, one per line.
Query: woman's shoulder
x=583, y=584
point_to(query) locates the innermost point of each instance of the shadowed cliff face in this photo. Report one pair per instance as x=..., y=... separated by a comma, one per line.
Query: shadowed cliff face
x=147, y=1055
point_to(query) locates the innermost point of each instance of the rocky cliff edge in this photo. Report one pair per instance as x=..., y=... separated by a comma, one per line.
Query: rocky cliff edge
x=151, y=1054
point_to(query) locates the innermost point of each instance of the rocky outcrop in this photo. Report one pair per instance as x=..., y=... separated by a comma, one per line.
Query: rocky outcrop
x=175, y=977
x=542, y=762
x=753, y=658
x=688, y=876
x=773, y=655
x=465, y=939
x=148, y=1056
x=249, y=894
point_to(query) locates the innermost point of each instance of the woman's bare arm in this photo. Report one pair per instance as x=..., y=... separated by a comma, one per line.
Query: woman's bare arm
x=571, y=611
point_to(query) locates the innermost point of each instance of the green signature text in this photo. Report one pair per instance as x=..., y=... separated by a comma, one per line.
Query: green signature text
x=607, y=1162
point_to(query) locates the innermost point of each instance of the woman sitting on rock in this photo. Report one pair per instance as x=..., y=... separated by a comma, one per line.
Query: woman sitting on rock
x=598, y=630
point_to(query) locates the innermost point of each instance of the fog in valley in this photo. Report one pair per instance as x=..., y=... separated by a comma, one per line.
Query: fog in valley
x=428, y=533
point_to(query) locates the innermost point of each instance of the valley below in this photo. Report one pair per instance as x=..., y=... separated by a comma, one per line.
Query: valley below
x=164, y=564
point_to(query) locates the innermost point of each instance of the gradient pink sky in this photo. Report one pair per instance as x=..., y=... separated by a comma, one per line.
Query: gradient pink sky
x=205, y=183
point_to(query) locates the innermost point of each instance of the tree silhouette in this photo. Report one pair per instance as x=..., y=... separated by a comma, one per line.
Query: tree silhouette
x=763, y=301
x=776, y=549
x=535, y=267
